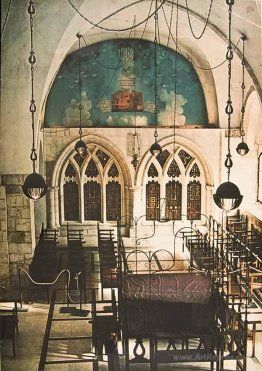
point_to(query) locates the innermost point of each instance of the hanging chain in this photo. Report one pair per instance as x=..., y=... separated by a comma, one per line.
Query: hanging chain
x=32, y=61
x=243, y=62
x=80, y=106
x=229, y=106
x=175, y=104
x=206, y=21
x=155, y=70
x=98, y=24
x=136, y=147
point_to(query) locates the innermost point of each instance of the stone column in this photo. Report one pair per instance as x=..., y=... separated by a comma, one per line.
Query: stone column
x=56, y=205
x=20, y=220
x=209, y=200
x=50, y=205
x=137, y=205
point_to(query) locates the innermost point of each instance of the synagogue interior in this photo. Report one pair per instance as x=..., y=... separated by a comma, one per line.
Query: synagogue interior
x=131, y=185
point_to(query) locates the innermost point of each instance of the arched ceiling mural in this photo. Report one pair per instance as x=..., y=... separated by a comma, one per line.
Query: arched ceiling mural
x=117, y=79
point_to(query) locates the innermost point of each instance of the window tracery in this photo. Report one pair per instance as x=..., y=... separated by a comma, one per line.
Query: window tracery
x=185, y=157
x=183, y=195
x=194, y=172
x=162, y=157
x=152, y=171
x=89, y=193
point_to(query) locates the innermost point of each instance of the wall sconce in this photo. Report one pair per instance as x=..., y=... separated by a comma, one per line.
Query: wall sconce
x=242, y=148
x=34, y=186
x=227, y=196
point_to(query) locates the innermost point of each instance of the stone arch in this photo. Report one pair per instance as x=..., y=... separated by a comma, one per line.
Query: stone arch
x=195, y=54
x=54, y=219
x=190, y=147
x=184, y=142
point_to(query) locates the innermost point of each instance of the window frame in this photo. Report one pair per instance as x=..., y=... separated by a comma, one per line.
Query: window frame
x=81, y=178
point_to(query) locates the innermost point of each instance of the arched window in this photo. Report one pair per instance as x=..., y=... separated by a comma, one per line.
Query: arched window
x=92, y=188
x=174, y=180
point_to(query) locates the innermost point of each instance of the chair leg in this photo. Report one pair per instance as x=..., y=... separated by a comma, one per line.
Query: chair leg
x=126, y=354
x=95, y=365
x=13, y=342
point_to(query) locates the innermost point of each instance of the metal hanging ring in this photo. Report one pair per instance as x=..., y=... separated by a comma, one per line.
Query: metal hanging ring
x=31, y=8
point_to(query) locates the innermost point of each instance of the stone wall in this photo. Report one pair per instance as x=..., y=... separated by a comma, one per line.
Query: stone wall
x=16, y=232
x=4, y=255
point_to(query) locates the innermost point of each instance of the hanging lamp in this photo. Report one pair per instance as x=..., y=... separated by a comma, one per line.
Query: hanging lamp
x=170, y=208
x=80, y=146
x=136, y=146
x=227, y=196
x=242, y=148
x=155, y=149
x=34, y=186
x=136, y=150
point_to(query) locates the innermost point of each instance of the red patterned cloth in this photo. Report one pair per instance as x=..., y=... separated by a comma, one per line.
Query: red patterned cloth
x=170, y=287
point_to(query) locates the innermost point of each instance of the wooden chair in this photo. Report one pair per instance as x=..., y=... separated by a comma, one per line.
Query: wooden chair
x=255, y=281
x=104, y=323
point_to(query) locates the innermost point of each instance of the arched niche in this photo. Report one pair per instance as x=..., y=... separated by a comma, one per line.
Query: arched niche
x=117, y=79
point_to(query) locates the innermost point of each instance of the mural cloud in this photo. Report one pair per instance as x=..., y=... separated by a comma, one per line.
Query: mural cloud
x=166, y=117
x=127, y=120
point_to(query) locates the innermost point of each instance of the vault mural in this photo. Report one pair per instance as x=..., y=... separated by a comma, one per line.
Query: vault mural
x=117, y=79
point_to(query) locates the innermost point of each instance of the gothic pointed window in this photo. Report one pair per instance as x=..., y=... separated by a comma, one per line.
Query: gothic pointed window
x=162, y=157
x=194, y=172
x=71, y=194
x=91, y=170
x=102, y=156
x=113, y=171
x=70, y=171
x=152, y=200
x=92, y=188
x=79, y=159
x=194, y=200
x=173, y=200
x=113, y=201
x=152, y=171
x=173, y=170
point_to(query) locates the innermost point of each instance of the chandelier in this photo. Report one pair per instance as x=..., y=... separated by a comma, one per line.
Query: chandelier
x=227, y=196
x=155, y=149
x=242, y=148
x=80, y=146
